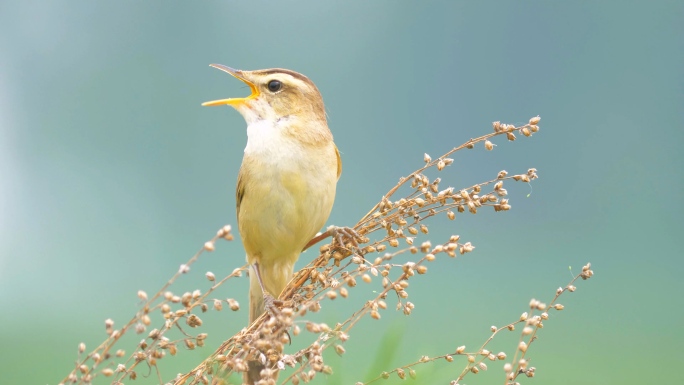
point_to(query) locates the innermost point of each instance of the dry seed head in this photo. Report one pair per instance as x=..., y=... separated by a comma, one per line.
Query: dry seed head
x=535, y=120
x=502, y=174
x=534, y=128
x=407, y=310
x=210, y=276
x=209, y=246
x=558, y=306
x=526, y=131
x=142, y=295
x=460, y=349
x=544, y=316
x=184, y=269
x=193, y=321
x=522, y=346
x=508, y=367
x=493, y=328
x=466, y=248
x=189, y=344
x=472, y=208
x=533, y=303
x=527, y=330
x=510, y=136
x=449, y=358
x=81, y=347
x=497, y=126
x=571, y=288
x=489, y=146
x=234, y=305
x=427, y=158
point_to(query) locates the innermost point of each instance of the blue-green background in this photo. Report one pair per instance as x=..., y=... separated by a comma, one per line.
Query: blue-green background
x=111, y=174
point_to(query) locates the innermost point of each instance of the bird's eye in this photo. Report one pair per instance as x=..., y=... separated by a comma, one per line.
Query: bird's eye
x=274, y=85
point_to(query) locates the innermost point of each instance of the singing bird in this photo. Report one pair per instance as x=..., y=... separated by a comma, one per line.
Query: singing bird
x=287, y=181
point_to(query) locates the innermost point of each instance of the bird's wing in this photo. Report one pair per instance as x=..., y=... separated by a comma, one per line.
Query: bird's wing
x=339, y=163
x=239, y=193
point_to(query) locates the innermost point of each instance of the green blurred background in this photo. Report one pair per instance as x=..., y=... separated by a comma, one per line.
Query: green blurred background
x=112, y=175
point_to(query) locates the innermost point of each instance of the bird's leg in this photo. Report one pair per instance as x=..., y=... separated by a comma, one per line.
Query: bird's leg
x=340, y=234
x=270, y=303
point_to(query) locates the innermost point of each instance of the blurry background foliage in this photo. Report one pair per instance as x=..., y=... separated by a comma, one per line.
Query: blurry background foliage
x=111, y=174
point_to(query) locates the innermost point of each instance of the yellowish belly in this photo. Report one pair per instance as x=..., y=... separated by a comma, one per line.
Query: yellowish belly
x=281, y=211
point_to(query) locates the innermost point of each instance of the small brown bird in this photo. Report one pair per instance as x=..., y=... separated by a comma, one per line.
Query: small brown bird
x=287, y=181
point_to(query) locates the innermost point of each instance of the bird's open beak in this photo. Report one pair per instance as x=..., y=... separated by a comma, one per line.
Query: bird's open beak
x=233, y=101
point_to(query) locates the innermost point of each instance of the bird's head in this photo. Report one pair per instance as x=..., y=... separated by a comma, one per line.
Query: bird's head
x=276, y=94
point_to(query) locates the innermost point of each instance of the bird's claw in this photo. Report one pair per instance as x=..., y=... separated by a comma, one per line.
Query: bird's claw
x=272, y=305
x=344, y=235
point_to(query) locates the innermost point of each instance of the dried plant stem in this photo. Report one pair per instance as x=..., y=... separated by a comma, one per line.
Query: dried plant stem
x=329, y=276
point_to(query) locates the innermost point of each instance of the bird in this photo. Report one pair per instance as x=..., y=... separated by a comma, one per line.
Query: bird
x=287, y=181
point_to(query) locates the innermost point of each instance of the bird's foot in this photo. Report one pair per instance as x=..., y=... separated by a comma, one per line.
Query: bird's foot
x=345, y=235
x=272, y=305
x=341, y=235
